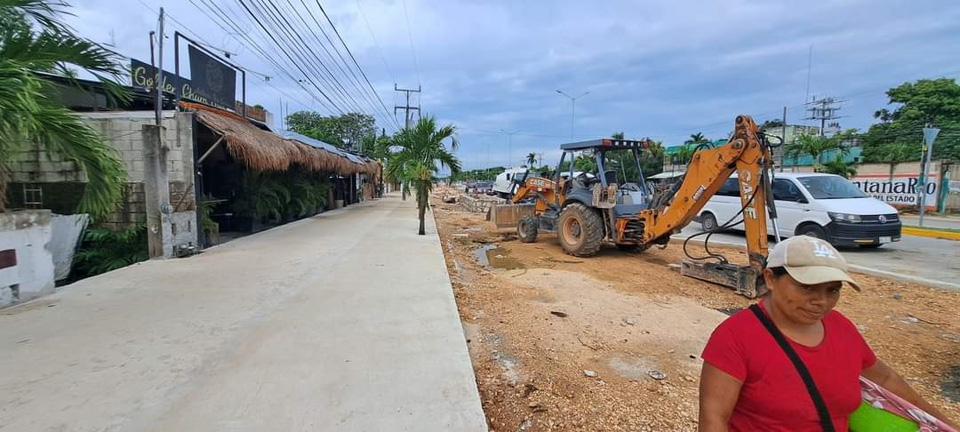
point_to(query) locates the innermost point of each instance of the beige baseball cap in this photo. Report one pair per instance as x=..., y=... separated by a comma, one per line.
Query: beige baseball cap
x=810, y=261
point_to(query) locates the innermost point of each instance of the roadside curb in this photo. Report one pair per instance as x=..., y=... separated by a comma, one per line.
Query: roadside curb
x=915, y=279
x=929, y=232
x=861, y=269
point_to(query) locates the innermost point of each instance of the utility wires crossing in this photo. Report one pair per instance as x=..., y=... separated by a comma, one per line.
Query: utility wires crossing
x=284, y=35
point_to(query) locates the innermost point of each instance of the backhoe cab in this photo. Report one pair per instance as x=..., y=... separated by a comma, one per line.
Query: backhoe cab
x=597, y=194
x=598, y=185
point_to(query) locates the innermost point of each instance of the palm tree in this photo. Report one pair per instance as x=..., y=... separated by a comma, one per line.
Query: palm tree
x=840, y=167
x=697, y=139
x=816, y=147
x=654, y=147
x=531, y=159
x=421, y=148
x=682, y=155
x=32, y=39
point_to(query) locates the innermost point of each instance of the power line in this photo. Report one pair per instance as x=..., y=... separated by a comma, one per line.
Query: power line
x=355, y=81
x=297, y=52
x=823, y=110
x=258, y=50
x=353, y=58
x=416, y=64
x=290, y=61
x=375, y=42
x=264, y=78
x=288, y=54
x=305, y=54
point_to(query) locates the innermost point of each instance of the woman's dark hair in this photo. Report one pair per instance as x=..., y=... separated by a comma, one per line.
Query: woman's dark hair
x=778, y=271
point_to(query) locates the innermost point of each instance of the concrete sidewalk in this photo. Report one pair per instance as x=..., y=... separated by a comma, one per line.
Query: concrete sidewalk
x=342, y=322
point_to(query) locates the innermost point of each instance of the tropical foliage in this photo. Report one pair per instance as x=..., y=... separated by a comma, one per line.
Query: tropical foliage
x=894, y=153
x=345, y=131
x=486, y=174
x=770, y=124
x=839, y=166
x=935, y=102
x=420, y=150
x=697, y=139
x=33, y=39
x=681, y=155
x=531, y=159
x=104, y=250
x=816, y=147
x=272, y=197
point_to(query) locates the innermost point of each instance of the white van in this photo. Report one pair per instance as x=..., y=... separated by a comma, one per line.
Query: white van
x=504, y=186
x=826, y=206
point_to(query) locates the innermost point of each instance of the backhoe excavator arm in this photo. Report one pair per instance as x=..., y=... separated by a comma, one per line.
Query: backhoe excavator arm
x=748, y=156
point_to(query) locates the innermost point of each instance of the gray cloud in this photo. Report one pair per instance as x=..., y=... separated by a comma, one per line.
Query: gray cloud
x=660, y=69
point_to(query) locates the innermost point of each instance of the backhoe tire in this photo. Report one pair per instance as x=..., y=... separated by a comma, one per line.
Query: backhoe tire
x=527, y=229
x=629, y=247
x=580, y=230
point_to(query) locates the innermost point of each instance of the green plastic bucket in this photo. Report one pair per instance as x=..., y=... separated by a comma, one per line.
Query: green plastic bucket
x=868, y=418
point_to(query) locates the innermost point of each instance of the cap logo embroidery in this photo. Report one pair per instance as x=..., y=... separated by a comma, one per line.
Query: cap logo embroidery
x=821, y=250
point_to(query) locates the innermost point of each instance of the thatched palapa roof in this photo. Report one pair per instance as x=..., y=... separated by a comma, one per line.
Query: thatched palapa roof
x=263, y=150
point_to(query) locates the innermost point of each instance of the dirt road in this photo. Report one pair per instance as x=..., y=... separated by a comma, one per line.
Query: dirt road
x=564, y=343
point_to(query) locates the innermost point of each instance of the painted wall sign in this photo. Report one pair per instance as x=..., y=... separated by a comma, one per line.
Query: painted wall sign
x=902, y=191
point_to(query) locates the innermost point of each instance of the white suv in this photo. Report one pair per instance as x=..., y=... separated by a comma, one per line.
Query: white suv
x=826, y=206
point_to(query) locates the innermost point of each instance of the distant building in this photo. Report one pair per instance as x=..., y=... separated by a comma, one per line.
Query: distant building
x=791, y=132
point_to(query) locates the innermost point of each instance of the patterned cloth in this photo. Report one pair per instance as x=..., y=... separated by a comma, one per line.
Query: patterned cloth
x=880, y=398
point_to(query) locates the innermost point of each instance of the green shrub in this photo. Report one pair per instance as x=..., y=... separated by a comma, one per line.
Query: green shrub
x=104, y=250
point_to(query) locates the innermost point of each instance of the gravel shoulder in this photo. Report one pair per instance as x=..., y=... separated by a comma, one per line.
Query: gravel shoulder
x=564, y=343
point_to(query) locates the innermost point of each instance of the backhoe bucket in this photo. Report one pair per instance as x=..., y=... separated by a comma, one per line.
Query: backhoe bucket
x=509, y=215
x=744, y=280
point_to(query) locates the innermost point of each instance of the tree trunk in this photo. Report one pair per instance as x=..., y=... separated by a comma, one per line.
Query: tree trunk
x=423, y=211
x=893, y=167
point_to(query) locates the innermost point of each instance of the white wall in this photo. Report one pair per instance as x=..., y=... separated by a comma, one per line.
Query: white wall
x=28, y=233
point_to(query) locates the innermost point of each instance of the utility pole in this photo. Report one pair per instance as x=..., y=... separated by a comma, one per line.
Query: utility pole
x=488, y=154
x=573, y=109
x=929, y=135
x=509, y=146
x=783, y=138
x=823, y=110
x=407, y=108
x=159, y=78
x=156, y=181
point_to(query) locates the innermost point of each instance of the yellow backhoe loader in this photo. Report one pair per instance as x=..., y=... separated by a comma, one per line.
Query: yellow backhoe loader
x=608, y=201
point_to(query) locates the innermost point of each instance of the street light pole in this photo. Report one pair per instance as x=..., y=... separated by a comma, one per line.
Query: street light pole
x=509, y=145
x=573, y=108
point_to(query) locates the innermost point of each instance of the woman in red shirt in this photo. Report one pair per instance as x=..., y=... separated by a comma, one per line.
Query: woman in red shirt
x=748, y=382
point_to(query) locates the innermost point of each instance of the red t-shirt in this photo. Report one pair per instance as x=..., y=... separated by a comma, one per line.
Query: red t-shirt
x=773, y=396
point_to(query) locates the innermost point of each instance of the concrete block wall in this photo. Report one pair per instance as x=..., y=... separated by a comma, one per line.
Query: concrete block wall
x=62, y=180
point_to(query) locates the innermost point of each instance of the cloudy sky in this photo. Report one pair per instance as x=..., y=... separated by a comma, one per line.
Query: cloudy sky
x=652, y=68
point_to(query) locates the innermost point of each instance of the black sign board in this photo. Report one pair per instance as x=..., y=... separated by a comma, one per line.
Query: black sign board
x=145, y=76
x=212, y=79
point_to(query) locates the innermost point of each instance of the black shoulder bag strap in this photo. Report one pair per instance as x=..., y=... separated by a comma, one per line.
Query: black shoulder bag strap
x=825, y=422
